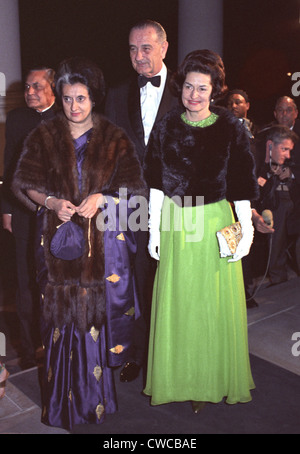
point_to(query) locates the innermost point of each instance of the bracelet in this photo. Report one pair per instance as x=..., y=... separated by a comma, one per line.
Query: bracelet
x=46, y=200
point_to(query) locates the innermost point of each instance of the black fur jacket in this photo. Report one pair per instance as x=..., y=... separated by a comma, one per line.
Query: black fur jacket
x=75, y=291
x=214, y=162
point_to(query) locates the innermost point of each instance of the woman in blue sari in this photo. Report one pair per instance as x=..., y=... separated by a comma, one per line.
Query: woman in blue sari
x=68, y=168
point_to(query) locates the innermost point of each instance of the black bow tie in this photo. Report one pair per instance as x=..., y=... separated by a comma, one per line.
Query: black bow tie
x=143, y=80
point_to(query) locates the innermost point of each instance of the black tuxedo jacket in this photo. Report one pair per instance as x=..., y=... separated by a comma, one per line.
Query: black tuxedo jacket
x=19, y=123
x=123, y=108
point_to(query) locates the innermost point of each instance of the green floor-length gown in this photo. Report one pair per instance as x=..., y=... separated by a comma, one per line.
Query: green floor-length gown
x=198, y=347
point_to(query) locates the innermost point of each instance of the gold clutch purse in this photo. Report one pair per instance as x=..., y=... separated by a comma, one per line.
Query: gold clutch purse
x=229, y=238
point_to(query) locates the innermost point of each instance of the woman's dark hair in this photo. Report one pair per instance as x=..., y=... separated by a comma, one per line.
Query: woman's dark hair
x=80, y=70
x=206, y=62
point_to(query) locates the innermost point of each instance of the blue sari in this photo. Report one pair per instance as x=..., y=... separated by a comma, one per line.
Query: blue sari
x=78, y=385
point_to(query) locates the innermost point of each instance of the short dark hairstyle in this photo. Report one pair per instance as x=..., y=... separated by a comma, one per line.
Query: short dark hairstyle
x=161, y=32
x=278, y=133
x=206, y=62
x=80, y=70
x=238, y=91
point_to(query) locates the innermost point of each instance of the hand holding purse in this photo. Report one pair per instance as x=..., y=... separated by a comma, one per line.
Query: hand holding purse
x=229, y=238
x=240, y=246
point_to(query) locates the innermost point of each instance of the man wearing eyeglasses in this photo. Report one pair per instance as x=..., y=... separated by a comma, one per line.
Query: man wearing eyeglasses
x=38, y=91
x=40, y=105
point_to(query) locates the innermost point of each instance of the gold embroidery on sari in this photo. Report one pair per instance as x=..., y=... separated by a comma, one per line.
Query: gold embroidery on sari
x=94, y=333
x=97, y=372
x=130, y=312
x=117, y=349
x=99, y=411
x=113, y=278
x=56, y=335
x=49, y=376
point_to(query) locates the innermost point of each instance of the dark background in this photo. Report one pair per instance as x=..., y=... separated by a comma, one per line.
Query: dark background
x=261, y=46
x=98, y=29
x=261, y=40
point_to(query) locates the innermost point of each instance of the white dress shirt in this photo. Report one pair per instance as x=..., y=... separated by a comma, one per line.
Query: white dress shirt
x=150, y=100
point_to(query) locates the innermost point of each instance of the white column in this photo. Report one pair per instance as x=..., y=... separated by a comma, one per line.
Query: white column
x=11, y=92
x=200, y=26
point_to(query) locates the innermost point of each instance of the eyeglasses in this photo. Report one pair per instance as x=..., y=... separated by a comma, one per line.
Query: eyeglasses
x=35, y=86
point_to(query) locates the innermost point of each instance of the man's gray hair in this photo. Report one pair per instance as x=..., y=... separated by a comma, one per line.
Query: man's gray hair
x=50, y=73
x=160, y=31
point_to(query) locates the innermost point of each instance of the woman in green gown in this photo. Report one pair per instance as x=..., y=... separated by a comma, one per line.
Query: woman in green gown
x=198, y=161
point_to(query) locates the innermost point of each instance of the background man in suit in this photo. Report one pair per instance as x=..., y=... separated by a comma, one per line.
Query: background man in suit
x=286, y=113
x=276, y=181
x=16, y=218
x=238, y=103
x=136, y=105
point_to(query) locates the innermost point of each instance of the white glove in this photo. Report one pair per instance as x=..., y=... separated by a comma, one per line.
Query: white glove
x=155, y=206
x=244, y=215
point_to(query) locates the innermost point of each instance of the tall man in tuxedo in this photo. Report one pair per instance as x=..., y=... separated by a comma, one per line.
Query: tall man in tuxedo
x=16, y=218
x=136, y=105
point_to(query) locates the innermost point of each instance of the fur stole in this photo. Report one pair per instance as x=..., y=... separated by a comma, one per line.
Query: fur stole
x=214, y=162
x=75, y=291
